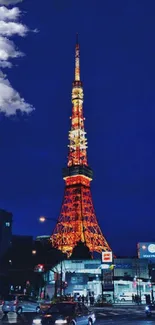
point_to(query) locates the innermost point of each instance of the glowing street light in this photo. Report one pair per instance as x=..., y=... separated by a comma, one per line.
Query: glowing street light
x=42, y=219
x=34, y=252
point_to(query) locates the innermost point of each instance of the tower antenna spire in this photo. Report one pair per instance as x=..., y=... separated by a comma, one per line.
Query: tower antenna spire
x=77, y=59
x=77, y=38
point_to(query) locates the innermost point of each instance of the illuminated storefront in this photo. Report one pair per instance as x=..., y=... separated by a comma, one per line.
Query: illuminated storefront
x=84, y=276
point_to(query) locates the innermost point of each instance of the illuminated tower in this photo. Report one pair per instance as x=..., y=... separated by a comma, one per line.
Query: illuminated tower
x=77, y=220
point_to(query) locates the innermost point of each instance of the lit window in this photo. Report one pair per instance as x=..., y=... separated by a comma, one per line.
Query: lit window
x=7, y=224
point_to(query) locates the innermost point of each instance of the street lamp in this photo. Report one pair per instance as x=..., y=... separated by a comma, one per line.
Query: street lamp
x=42, y=219
x=34, y=252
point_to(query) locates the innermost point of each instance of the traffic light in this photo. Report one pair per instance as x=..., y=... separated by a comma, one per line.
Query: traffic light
x=39, y=268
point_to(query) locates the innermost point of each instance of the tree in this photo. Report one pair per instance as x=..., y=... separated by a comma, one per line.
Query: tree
x=81, y=251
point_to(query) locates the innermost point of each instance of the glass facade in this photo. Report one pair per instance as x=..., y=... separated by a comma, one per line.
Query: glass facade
x=130, y=276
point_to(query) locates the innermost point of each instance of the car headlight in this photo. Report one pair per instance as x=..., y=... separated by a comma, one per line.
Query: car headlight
x=147, y=308
x=93, y=317
x=36, y=321
x=61, y=321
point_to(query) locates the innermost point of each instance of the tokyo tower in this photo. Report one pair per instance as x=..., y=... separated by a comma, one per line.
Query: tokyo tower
x=77, y=220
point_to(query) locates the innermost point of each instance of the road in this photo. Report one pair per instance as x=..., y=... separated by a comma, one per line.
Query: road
x=105, y=316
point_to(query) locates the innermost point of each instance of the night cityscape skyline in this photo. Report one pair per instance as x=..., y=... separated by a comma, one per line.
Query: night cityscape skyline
x=118, y=73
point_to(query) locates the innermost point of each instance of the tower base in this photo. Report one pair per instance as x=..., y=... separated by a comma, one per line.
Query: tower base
x=77, y=221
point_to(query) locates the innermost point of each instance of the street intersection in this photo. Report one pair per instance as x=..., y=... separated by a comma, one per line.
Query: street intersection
x=115, y=315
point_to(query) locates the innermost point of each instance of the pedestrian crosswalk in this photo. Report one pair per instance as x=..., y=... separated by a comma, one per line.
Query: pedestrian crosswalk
x=104, y=312
x=13, y=318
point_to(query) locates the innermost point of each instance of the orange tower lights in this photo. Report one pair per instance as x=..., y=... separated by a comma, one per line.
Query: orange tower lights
x=77, y=220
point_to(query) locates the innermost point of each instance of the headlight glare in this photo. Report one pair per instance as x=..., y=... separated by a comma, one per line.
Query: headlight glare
x=36, y=321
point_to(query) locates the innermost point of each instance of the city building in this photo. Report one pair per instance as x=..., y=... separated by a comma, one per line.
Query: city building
x=130, y=276
x=22, y=245
x=77, y=221
x=44, y=239
x=5, y=231
x=147, y=250
x=20, y=254
x=19, y=263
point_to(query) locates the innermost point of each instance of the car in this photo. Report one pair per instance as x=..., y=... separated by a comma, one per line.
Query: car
x=105, y=298
x=19, y=304
x=45, y=305
x=68, y=313
x=125, y=297
x=150, y=309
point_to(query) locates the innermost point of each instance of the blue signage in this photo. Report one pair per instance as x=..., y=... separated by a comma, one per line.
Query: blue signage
x=76, y=282
x=146, y=250
x=123, y=266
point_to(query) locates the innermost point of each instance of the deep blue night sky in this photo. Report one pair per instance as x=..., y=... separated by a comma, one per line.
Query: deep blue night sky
x=117, y=44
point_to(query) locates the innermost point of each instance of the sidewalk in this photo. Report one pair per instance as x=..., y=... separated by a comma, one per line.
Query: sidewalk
x=130, y=304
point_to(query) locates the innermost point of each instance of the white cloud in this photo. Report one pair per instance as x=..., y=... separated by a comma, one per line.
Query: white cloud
x=11, y=28
x=5, y=64
x=9, y=2
x=10, y=99
x=9, y=14
x=7, y=49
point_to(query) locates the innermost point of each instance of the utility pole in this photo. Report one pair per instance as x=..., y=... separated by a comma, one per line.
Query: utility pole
x=42, y=219
x=61, y=279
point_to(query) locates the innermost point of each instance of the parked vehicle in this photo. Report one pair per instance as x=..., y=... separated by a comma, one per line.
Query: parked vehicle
x=107, y=297
x=125, y=297
x=68, y=313
x=19, y=304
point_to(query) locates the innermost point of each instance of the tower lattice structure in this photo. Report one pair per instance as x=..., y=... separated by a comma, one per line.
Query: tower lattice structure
x=77, y=220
